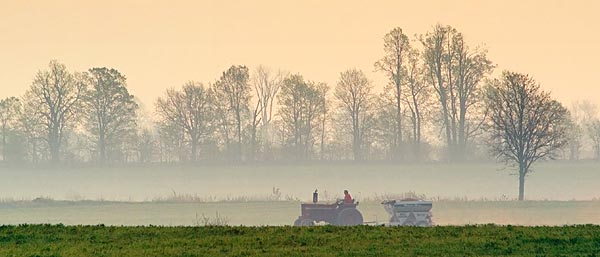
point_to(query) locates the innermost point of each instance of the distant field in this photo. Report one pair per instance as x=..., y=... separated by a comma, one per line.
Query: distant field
x=476, y=181
x=43, y=240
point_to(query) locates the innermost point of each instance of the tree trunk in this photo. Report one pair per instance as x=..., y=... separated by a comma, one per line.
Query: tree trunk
x=522, y=173
x=418, y=133
x=398, y=119
x=462, y=140
x=323, y=138
x=521, y=187
x=102, y=146
x=34, y=152
x=54, y=152
x=357, y=150
x=356, y=137
x=4, y=142
x=239, y=132
x=253, y=142
x=194, y=138
x=54, y=145
x=449, y=145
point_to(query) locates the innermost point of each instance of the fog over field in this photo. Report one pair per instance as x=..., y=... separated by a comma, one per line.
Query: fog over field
x=484, y=181
x=560, y=193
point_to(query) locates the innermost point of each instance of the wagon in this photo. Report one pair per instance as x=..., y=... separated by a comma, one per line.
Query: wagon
x=409, y=212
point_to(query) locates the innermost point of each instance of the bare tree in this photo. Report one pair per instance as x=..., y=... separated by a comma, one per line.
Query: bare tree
x=385, y=125
x=353, y=91
x=146, y=146
x=396, y=48
x=593, y=129
x=33, y=129
x=232, y=91
x=256, y=119
x=111, y=109
x=416, y=96
x=316, y=111
x=583, y=115
x=455, y=72
x=171, y=143
x=324, y=116
x=526, y=124
x=266, y=86
x=189, y=111
x=9, y=111
x=301, y=107
x=574, y=136
x=55, y=96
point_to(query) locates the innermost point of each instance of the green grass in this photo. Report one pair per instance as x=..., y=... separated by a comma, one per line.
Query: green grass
x=488, y=240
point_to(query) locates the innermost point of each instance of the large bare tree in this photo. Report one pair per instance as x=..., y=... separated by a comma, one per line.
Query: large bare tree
x=189, y=111
x=455, y=71
x=396, y=47
x=233, y=93
x=111, y=110
x=353, y=92
x=55, y=96
x=526, y=124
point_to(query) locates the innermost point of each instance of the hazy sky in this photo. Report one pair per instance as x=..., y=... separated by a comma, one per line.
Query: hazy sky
x=162, y=44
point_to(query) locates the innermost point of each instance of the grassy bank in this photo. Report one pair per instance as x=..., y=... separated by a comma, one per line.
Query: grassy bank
x=488, y=240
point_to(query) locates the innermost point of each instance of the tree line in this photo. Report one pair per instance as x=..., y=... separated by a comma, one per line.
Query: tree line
x=440, y=103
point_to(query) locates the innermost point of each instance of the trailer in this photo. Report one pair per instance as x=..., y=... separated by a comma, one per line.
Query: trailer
x=409, y=212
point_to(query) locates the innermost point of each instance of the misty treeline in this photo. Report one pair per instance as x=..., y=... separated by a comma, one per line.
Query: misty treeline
x=433, y=108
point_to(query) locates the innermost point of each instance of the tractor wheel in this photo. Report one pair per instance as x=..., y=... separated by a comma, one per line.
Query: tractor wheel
x=302, y=222
x=349, y=217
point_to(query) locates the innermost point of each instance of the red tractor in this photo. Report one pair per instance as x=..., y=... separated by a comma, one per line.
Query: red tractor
x=338, y=214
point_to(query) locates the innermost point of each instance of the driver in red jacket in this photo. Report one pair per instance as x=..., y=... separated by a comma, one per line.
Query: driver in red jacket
x=347, y=197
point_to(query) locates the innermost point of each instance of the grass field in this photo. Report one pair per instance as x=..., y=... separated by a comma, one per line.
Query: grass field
x=487, y=240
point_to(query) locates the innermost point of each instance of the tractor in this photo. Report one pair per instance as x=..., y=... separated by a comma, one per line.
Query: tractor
x=338, y=214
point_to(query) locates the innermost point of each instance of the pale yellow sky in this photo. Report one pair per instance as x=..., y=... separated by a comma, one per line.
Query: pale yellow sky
x=162, y=44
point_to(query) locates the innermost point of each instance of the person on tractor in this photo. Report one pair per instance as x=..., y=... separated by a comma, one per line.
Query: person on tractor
x=348, y=197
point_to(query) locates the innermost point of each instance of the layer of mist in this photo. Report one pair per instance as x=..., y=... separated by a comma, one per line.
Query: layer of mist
x=549, y=181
